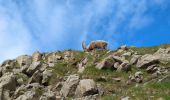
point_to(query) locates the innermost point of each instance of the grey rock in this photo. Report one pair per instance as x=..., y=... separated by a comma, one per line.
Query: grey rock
x=147, y=60
x=125, y=66
x=36, y=56
x=46, y=76
x=49, y=95
x=163, y=54
x=33, y=67
x=28, y=95
x=106, y=63
x=69, y=86
x=86, y=87
x=36, y=77
x=134, y=59
x=24, y=60
x=8, y=81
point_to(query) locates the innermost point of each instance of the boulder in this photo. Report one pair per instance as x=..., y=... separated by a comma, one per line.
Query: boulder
x=152, y=69
x=147, y=60
x=49, y=95
x=8, y=81
x=107, y=63
x=24, y=60
x=28, y=95
x=36, y=77
x=163, y=54
x=36, y=56
x=134, y=59
x=33, y=67
x=125, y=66
x=82, y=65
x=52, y=59
x=46, y=76
x=118, y=59
x=69, y=86
x=86, y=87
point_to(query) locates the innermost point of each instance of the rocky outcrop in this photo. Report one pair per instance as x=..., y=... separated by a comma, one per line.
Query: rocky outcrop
x=78, y=75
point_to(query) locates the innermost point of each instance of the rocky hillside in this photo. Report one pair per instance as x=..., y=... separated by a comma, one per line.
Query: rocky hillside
x=128, y=73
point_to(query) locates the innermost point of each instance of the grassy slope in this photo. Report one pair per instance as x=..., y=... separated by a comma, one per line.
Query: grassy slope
x=113, y=89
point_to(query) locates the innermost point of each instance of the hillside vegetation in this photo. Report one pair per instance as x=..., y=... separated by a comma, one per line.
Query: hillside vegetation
x=128, y=73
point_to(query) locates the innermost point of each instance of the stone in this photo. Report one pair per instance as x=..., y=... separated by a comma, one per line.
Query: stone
x=147, y=60
x=125, y=98
x=86, y=87
x=117, y=79
x=134, y=59
x=163, y=54
x=123, y=47
x=8, y=81
x=28, y=95
x=49, y=95
x=116, y=65
x=125, y=66
x=46, y=76
x=24, y=60
x=36, y=77
x=33, y=67
x=107, y=63
x=127, y=54
x=118, y=59
x=152, y=69
x=69, y=86
x=36, y=56
x=82, y=65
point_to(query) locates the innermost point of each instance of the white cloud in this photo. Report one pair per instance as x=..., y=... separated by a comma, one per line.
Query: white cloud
x=26, y=26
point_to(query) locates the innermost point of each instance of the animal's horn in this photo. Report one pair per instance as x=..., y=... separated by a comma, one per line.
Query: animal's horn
x=84, y=46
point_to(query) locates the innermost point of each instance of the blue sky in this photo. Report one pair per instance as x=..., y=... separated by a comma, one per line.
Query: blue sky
x=48, y=25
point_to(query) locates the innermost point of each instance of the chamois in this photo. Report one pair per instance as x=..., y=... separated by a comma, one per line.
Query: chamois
x=97, y=44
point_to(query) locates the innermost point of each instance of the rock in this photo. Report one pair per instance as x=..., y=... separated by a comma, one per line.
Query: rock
x=163, y=54
x=24, y=60
x=123, y=47
x=36, y=77
x=4, y=94
x=8, y=66
x=117, y=79
x=28, y=95
x=147, y=60
x=70, y=85
x=152, y=69
x=116, y=65
x=125, y=66
x=107, y=63
x=82, y=65
x=33, y=67
x=46, y=76
x=125, y=98
x=52, y=59
x=134, y=59
x=118, y=59
x=138, y=77
x=86, y=87
x=127, y=54
x=49, y=95
x=8, y=81
x=36, y=56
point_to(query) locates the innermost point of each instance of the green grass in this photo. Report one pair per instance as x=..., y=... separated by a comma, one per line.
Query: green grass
x=149, y=50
